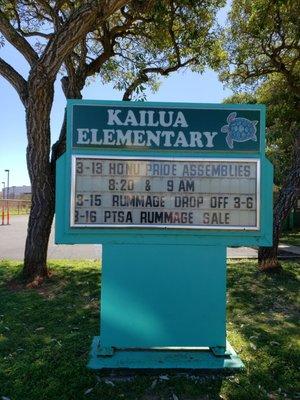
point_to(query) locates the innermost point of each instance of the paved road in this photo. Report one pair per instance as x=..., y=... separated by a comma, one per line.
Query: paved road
x=291, y=249
x=12, y=244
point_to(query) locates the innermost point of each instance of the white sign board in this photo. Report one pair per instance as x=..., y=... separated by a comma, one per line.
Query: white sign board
x=176, y=193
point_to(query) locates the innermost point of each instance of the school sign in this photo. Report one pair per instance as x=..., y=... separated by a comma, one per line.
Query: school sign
x=165, y=188
x=168, y=128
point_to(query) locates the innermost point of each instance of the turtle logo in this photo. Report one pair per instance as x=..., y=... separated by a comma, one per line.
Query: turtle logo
x=239, y=129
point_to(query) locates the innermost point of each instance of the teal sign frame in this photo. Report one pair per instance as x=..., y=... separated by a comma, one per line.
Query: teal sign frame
x=163, y=296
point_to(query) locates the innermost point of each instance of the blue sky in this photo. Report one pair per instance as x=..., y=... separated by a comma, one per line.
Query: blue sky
x=183, y=86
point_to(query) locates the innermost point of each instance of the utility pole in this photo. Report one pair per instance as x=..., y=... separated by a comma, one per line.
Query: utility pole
x=7, y=197
x=3, y=204
x=7, y=190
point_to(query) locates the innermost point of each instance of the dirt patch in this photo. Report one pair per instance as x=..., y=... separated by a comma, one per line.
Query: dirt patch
x=51, y=288
x=15, y=285
x=48, y=288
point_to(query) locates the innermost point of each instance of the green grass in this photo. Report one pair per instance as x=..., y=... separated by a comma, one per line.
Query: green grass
x=292, y=238
x=45, y=336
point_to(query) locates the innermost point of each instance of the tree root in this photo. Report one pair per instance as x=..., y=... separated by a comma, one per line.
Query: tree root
x=270, y=266
x=38, y=281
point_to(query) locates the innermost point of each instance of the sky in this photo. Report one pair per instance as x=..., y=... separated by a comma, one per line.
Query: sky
x=182, y=86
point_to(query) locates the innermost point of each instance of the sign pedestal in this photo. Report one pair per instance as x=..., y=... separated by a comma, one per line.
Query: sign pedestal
x=163, y=306
x=165, y=187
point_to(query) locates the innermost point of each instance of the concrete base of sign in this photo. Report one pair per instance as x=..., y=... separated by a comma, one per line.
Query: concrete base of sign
x=159, y=304
x=163, y=358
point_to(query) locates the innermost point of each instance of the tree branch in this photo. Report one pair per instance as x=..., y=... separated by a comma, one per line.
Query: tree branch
x=97, y=63
x=35, y=33
x=143, y=76
x=51, y=12
x=171, y=32
x=68, y=36
x=29, y=33
x=15, y=79
x=13, y=37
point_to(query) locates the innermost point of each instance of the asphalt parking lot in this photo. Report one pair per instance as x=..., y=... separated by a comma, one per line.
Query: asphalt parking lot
x=12, y=245
x=13, y=236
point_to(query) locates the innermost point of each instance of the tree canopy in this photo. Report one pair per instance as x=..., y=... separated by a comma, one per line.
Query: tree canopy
x=282, y=124
x=263, y=52
x=130, y=47
x=263, y=38
x=128, y=43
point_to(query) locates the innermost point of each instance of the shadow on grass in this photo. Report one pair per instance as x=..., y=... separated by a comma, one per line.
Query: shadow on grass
x=45, y=336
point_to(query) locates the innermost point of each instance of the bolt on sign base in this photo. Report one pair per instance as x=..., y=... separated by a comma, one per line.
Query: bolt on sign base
x=163, y=358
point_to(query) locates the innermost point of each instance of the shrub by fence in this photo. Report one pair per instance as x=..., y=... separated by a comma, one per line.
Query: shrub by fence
x=13, y=207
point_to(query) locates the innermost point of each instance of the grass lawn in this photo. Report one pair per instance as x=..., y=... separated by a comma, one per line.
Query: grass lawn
x=45, y=336
x=291, y=237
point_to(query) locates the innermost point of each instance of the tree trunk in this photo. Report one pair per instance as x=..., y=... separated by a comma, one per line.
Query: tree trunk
x=268, y=256
x=42, y=172
x=41, y=176
x=72, y=90
x=39, y=225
